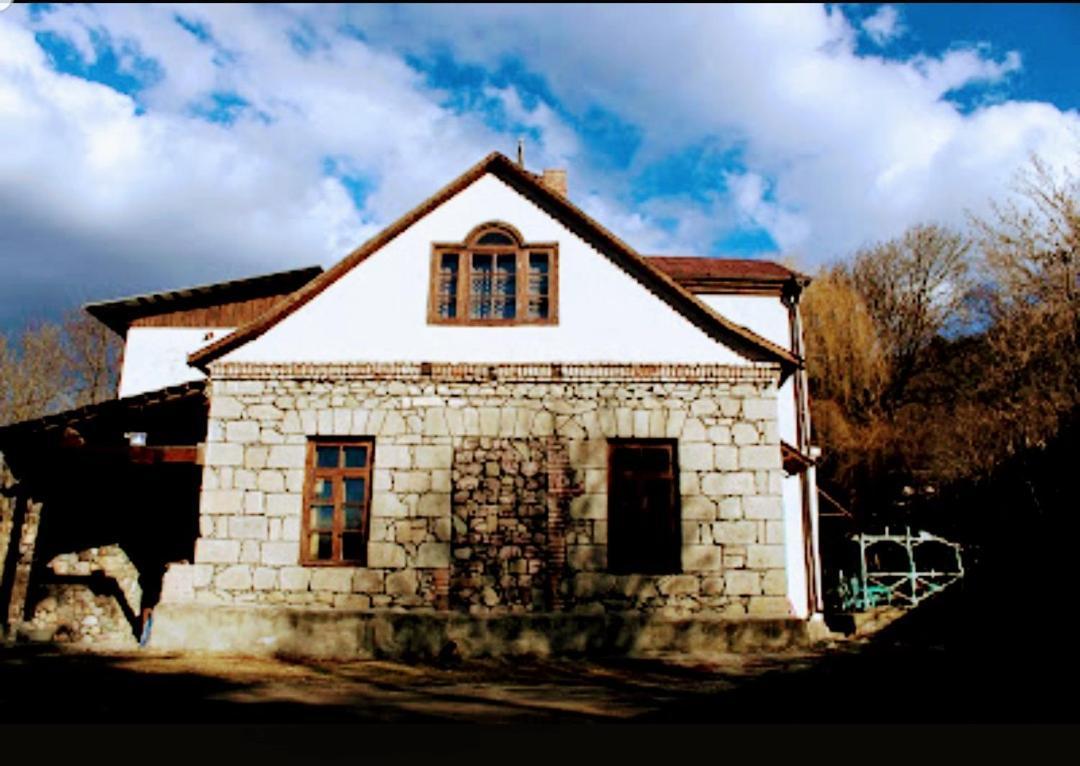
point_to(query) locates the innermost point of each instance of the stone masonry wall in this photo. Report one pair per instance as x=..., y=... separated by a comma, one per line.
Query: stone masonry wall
x=430, y=424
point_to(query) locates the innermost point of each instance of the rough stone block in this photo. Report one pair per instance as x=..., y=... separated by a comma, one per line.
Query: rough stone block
x=719, y=484
x=698, y=507
x=588, y=584
x=402, y=583
x=434, y=504
x=242, y=431
x=287, y=456
x=702, y=558
x=735, y=532
x=763, y=507
x=224, y=453
x=295, y=578
x=696, y=456
x=755, y=457
x=742, y=583
x=386, y=556
x=728, y=508
x=765, y=556
x=678, y=585
x=769, y=606
x=393, y=456
x=434, y=456
x=178, y=584
x=588, y=507
x=248, y=528
x=271, y=481
x=775, y=582
x=332, y=579
x=433, y=555
x=283, y=504
x=759, y=409
x=222, y=502
x=587, y=557
x=217, y=551
x=726, y=458
x=744, y=433
x=368, y=581
x=774, y=532
x=225, y=407
x=253, y=503
x=234, y=578
x=280, y=554
x=387, y=504
x=265, y=578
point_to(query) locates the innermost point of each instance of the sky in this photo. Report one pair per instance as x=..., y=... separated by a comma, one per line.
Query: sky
x=149, y=148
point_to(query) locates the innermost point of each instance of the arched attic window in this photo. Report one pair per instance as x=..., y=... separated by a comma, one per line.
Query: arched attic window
x=494, y=277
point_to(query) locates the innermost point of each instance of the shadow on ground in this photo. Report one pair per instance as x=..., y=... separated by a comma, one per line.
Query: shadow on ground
x=938, y=664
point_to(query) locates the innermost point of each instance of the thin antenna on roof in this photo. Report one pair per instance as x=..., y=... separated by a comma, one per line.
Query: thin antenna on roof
x=521, y=152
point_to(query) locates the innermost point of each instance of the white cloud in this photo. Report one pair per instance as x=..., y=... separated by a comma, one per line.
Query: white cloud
x=839, y=149
x=884, y=25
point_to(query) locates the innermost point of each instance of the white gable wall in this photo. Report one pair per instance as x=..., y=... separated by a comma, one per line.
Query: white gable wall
x=156, y=357
x=377, y=312
x=768, y=317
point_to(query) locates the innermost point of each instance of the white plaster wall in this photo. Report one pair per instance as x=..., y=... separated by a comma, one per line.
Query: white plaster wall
x=378, y=311
x=768, y=317
x=794, y=557
x=156, y=357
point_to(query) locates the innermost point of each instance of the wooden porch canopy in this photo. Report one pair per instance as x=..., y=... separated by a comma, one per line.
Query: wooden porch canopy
x=173, y=419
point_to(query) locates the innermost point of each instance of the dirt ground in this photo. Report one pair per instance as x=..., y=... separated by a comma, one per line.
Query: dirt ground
x=915, y=671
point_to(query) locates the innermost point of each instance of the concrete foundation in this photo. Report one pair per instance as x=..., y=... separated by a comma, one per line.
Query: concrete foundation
x=341, y=634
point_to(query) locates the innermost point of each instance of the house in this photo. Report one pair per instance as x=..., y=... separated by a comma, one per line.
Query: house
x=493, y=425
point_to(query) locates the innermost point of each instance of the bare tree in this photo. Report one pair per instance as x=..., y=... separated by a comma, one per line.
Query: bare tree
x=1031, y=254
x=92, y=358
x=33, y=380
x=915, y=287
x=48, y=367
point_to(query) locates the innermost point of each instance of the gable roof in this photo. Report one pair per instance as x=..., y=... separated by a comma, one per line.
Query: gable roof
x=119, y=314
x=530, y=186
x=730, y=275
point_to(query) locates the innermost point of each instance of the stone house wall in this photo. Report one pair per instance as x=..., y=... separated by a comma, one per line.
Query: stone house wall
x=436, y=425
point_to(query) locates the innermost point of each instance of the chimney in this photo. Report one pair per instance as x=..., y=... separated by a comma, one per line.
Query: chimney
x=555, y=180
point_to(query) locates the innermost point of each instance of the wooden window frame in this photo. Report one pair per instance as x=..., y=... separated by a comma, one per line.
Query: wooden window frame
x=312, y=472
x=676, y=502
x=465, y=251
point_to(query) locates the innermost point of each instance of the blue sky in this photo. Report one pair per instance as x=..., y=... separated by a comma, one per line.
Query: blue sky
x=155, y=147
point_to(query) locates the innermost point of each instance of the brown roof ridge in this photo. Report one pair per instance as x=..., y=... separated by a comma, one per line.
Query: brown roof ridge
x=116, y=312
x=528, y=184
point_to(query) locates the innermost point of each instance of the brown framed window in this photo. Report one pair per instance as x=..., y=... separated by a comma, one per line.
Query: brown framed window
x=644, y=530
x=494, y=277
x=337, y=501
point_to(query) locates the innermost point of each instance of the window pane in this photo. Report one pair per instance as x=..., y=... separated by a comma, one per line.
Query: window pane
x=494, y=238
x=505, y=287
x=322, y=517
x=353, y=517
x=481, y=288
x=538, y=285
x=321, y=546
x=326, y=457
x=448, y=286
x=355, y=457
x=324, y=489
x=354, y=490
x=352, y=547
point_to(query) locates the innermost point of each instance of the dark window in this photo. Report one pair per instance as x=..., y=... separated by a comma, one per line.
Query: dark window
x=337, y=500
x=494, y=278
x=644, y=533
